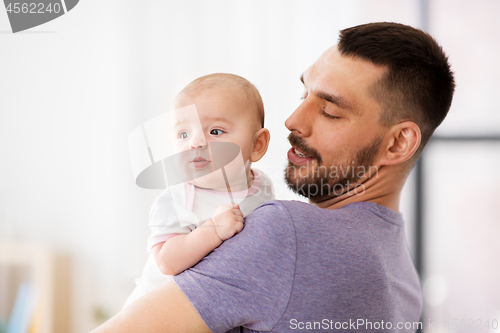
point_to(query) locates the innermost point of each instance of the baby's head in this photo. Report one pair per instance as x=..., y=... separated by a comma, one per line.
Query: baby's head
x=228, y=109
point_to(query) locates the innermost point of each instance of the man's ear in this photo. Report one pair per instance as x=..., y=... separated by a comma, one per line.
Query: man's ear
x=261, y=142
x=404, y=140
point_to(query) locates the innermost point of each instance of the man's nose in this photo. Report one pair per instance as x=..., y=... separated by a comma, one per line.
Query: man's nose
x=300, y=120
x=197, y=141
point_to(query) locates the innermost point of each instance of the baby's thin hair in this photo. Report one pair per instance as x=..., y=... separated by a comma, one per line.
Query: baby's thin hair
x=216, y=80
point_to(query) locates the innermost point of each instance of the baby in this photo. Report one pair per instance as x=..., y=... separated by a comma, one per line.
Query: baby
x=217, y=132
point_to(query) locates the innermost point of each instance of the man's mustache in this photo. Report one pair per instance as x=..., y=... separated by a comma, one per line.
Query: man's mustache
x=301, y=145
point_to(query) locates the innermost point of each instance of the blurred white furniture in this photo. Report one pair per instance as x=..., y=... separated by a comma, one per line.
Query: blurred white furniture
x=48, y=274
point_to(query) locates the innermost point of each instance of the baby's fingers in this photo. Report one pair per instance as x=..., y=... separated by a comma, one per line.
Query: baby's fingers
x=239, y=227
x=237, y=212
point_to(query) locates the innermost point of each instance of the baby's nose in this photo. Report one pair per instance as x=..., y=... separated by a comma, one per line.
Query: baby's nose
x=197, y=141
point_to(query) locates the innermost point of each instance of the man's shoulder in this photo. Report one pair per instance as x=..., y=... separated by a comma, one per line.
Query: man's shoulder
x=283, y=205
x=280, y=217
x=360, y=210
x=277, y=210
x=356, y=221
x=290, y=210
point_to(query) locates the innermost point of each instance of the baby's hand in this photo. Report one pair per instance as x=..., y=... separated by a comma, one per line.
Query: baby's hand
x=228, y=220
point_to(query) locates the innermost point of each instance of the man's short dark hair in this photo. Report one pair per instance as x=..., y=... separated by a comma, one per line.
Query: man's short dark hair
x=418, y=84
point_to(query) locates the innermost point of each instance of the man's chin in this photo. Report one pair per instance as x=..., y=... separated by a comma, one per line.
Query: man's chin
x=317, y=189
x=313, y=191
x=300, y=171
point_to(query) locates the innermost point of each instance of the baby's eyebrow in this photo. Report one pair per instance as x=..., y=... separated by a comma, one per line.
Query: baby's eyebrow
x=210, y=119
x=179, y=123
x=219, y=119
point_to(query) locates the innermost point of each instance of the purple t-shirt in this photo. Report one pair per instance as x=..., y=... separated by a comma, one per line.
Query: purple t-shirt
x=299, y=268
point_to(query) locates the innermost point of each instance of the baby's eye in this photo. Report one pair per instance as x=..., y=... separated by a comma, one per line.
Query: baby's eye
x=183, y=135
x=216, y=132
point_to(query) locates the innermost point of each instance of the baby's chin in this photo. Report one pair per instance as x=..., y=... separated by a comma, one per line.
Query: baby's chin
x=210, y=182
x=215, y=181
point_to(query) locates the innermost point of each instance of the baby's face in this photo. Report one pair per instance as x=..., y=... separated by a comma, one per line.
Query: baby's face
x=219, y=116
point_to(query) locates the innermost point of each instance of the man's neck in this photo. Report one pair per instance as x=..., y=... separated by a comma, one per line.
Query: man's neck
x=383, y=189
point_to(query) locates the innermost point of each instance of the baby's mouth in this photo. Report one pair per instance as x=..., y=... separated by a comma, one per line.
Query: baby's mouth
x=199, y=163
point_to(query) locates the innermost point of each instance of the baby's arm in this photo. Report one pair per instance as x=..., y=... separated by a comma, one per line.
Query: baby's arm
x=184, y=251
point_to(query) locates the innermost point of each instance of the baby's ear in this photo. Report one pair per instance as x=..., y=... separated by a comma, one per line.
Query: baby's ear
x=261, y=142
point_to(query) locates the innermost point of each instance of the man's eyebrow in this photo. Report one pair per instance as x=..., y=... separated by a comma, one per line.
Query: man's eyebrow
x=337, y=100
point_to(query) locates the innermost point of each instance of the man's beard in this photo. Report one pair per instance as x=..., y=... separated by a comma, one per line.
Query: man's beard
x=326, y=182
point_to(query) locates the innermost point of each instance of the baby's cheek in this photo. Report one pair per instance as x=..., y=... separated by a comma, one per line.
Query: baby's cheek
x=177, y=147
x=246, y=151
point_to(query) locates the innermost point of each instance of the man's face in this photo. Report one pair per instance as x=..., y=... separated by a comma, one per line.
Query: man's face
x=335, y=133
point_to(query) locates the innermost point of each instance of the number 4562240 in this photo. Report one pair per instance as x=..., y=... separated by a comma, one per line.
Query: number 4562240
x=24, y=7
x=471, y=324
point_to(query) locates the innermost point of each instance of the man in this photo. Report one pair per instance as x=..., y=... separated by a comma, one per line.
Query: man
x=341, y=263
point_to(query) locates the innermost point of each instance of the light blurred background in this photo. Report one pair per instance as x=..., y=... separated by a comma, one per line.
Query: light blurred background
x=73, y=89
